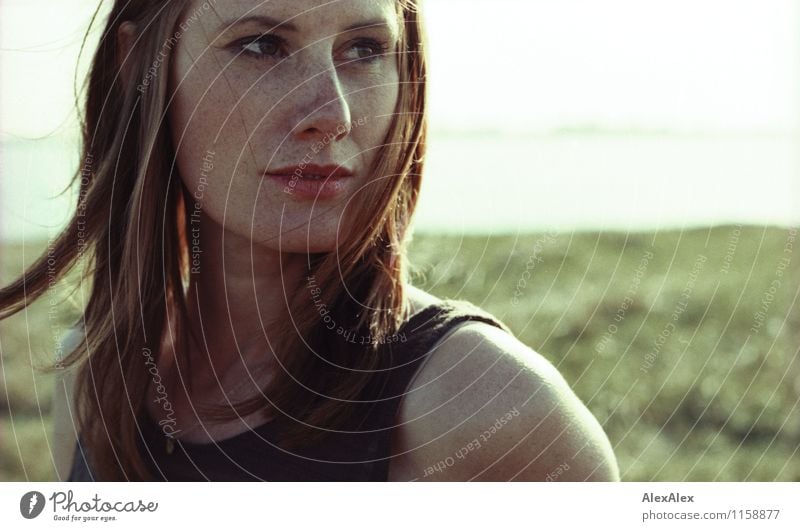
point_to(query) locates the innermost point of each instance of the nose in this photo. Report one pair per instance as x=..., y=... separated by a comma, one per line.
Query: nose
x=323, y=108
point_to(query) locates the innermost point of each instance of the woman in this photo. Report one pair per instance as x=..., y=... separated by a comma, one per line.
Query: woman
x=250, y=172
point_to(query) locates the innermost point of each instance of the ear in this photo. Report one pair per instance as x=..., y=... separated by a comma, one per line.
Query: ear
x=126, y=36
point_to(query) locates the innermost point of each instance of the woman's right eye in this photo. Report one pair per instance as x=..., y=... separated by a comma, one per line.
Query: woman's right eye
x=261, y=47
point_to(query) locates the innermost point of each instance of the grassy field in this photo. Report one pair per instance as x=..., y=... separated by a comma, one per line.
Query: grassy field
x=683, y=344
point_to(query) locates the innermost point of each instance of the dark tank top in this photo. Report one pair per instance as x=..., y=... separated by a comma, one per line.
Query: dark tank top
x=360, y=454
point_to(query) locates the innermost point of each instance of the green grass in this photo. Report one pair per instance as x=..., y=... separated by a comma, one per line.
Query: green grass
x=716, y=400
x=28, y=340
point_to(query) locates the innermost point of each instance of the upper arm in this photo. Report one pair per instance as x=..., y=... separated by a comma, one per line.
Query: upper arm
x=486, y=407
x=64, y=415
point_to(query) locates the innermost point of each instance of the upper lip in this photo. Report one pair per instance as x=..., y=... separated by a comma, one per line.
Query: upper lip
x=327, y=170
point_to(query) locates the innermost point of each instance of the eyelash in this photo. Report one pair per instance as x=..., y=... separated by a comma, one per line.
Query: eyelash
x=378, y=49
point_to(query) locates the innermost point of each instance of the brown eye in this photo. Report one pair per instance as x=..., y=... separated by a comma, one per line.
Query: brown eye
x=261, y=47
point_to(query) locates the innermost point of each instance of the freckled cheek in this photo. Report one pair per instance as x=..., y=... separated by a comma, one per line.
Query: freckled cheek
x=212, y=107
x=207, y=121
x=205, y=95
x=372, y=113
x=256, y=114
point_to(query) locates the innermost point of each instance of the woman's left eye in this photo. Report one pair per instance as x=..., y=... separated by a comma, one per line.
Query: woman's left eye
x=262, y=46
x=366, y=50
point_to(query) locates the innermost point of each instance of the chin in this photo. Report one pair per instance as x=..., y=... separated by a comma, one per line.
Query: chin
x=310, y=243
x=302, y=240
x=323, y=234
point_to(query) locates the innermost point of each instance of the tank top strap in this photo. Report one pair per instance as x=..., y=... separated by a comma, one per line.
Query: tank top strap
x=362, y=451
x=418, y=338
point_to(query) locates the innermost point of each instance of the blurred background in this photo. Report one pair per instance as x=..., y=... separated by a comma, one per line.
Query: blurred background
x=618, y=181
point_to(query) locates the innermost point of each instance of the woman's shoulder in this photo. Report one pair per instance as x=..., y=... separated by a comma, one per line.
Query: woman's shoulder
x=71, y=338
x=486, y=406
x=449, y=314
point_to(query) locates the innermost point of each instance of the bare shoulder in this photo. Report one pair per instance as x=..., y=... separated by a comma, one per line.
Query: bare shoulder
x=487, y=407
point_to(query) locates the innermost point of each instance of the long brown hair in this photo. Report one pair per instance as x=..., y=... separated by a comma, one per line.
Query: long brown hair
x=128, y=240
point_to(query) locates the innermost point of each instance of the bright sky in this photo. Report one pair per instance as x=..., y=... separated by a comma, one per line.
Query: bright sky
x=513, y=64
x=675, y=64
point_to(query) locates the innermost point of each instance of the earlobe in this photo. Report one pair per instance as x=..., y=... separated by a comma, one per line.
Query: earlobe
x=126, y=36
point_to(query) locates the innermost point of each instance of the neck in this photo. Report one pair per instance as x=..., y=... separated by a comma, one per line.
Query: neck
x=238, y=293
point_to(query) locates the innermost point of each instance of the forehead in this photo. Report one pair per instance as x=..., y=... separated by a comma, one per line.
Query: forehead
x=321, y=16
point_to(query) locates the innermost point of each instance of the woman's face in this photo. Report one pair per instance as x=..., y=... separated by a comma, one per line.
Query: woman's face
x=271, y=99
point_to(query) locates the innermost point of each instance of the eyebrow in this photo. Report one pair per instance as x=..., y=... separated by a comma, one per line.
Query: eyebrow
x=286, y=25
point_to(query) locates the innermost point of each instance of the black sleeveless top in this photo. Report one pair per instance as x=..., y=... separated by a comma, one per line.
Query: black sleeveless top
x=360, y=454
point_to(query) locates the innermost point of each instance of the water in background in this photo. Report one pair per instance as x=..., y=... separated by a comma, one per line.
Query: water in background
x=499, y=182
x=609, y=181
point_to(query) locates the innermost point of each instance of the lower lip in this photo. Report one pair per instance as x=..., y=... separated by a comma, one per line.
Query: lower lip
x=325, y=188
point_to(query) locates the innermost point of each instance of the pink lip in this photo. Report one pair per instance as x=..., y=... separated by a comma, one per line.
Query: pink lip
x=332, y=183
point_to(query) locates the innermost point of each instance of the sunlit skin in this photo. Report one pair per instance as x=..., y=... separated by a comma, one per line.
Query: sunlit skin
x=257, y=87
x=266, y=101
x=262, y=104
